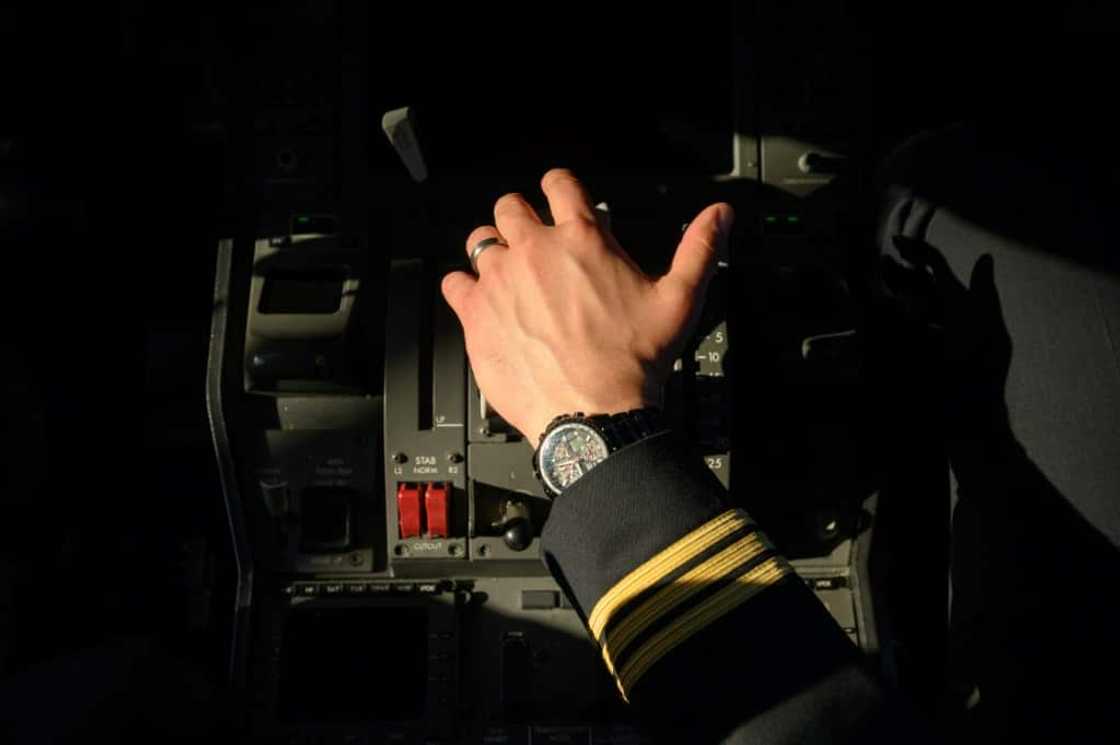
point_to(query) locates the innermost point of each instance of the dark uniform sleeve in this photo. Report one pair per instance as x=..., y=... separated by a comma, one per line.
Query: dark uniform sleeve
x=703, y=625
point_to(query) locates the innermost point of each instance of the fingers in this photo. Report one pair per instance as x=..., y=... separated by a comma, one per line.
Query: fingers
x=488, y=254
x=696, y=255
x=567, y=198
x=920, y=253
x=515, y=218
x=983, y=278
x=898, y=277
x=456, y=287
x=983, y=286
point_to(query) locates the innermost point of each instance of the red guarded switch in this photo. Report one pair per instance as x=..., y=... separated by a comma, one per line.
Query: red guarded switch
x=437, y=503
x=408, y=510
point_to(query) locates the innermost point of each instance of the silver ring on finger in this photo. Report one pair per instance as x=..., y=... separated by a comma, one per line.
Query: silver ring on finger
x=482, y=246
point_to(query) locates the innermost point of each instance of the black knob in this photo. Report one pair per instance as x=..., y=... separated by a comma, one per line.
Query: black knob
x=519, y=534
x=516, y=525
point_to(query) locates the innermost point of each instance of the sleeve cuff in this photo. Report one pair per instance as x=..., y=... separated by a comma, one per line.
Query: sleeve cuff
x=675, y=594
x=650, y=554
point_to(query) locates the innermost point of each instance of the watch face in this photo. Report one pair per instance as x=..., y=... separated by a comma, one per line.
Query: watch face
x=568, y=452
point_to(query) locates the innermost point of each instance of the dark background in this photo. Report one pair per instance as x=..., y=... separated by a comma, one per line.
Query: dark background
x=120, y=167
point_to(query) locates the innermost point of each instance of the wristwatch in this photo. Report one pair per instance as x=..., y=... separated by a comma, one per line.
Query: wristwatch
x=573, y=444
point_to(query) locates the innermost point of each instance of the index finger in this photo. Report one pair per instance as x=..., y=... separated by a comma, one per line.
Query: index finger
x=567, y=198
x=922, y=254
x=515, y=218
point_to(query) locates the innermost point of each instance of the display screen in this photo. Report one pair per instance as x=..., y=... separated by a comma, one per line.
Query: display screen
x=304, y=291
x=354, y=664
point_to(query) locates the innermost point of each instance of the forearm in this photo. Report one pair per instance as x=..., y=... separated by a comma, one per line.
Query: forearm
x=981, y=445
x=702, y=623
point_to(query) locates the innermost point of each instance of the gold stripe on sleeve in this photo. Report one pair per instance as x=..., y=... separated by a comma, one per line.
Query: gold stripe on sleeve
x=663, y=563
x=616, y=639
x=739, y=591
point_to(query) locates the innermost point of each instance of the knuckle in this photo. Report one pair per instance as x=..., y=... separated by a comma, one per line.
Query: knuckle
x=477, y=235
x=554, y=174
x=492, y=272
x=509, y=200
x=582, y=234
x=676, y=295
x=527, y=244
x=587, y=224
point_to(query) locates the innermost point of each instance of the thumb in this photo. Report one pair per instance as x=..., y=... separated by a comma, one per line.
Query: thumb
x=982, y=285
x=698, y=250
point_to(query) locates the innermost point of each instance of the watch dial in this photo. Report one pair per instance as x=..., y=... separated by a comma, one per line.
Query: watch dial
x=568, y=452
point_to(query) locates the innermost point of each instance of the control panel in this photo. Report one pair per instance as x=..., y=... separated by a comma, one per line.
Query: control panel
x=391, y=520
x=386, y=518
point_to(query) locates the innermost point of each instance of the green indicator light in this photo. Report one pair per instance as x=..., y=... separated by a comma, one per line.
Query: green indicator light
x=793, y=218
x=771, y=218
x=303, y=219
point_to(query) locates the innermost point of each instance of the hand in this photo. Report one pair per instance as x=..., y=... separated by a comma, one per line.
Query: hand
x=562, y=320
x=977, y=346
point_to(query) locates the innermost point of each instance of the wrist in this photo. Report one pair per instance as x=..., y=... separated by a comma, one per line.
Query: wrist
x=584, y=405
x=573, y=444
x=983, y=452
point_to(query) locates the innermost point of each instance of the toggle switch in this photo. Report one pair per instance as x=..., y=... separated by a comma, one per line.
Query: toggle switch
x=822, y=164
x=437, y=505
x=408, y=510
